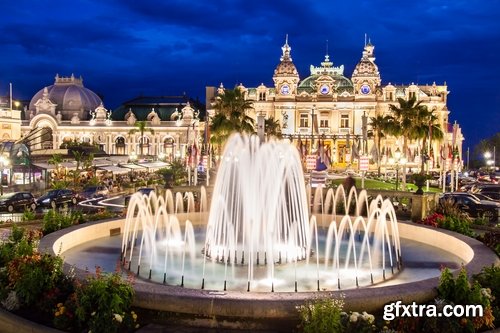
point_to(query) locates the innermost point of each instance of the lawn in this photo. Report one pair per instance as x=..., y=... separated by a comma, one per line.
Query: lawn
x=372, y=184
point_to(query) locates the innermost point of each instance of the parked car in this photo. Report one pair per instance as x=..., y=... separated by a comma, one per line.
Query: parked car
x=17, y=201
x=54, y=198
x=473, y=206
x=143, y=191
x=93, y=192
x=493, y=191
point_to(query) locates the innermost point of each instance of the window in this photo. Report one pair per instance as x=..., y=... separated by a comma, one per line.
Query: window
x=323, y=123
x=344, y=121
x=304, y=120
x=412, y=94
x=389, y=96
x=262, y=96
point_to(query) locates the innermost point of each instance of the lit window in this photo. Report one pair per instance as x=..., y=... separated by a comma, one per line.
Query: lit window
x=304, y=120
x=344, y=121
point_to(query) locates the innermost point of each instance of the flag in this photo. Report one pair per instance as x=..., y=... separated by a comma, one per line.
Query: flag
x=315, y=123
x=321, y=151
x=300, y=148
x=454, y=134
x=374, y=153
x=355, y=152
x=328, y=159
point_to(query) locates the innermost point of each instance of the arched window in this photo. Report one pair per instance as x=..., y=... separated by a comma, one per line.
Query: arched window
x=46, y=138
x=120, y=145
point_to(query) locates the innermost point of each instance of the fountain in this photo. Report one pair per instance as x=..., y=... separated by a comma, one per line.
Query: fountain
x=260, y=235
x=267, y=244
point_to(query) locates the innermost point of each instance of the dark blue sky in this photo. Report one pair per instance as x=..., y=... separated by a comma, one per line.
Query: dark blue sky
x=124, y=48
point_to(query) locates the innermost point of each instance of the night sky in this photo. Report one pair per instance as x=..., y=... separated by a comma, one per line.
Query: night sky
x=127, y=48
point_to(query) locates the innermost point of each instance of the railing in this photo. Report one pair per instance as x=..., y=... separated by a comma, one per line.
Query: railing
x=11, y=217
x=409, y=205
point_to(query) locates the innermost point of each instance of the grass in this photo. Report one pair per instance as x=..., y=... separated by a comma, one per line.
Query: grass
x=372, y=184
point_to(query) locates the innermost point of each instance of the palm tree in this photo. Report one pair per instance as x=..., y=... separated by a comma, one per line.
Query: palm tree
x=380, y=124
x=231, y=117
x=141, y=127
x=427, y=127
x=405, y=121
x=272, y=128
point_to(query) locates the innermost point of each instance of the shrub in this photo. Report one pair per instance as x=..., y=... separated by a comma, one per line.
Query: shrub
x=321, y=315
x=456, y=224
x=20, y=242
x=356, y=322
x=54, y=220
x=103, y=304
x=449, y=208
x=35, y=275
x=432, y=220
x=489, y=279
x=461, y=291
x=29, y=215
x=492, y=240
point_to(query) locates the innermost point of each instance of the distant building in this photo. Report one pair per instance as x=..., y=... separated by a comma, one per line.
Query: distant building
x=328, y=112
x=67, y=111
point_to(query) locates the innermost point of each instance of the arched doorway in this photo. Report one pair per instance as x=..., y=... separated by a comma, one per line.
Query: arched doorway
x=169, y=148
x=120, y=145
x=144, y=145
x=46, y=138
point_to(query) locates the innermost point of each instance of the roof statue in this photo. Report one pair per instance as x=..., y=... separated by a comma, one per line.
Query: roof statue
x=44, y=104
x=130, y=117
x=75, y=119
x=153, y=117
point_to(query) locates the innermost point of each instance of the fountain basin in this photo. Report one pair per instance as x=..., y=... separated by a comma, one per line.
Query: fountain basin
x=253, y=307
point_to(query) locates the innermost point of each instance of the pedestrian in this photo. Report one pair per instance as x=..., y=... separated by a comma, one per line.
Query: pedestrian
x=348, y=183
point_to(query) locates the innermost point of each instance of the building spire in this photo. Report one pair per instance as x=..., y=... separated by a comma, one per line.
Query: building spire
x=286, y=50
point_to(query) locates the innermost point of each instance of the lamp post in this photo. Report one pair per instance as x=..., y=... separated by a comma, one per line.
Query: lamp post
x=489, y=162
x=398, y=161
x=4, y=162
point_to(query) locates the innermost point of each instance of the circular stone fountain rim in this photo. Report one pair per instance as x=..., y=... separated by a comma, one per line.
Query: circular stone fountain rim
x=243, y=304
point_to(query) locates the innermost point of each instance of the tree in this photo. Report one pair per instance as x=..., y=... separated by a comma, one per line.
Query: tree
x=141, y=127
x=272, y=128
x=380, y=124
x=427, y=127
x=231, y=117
x=486, y=145
x=405, y=121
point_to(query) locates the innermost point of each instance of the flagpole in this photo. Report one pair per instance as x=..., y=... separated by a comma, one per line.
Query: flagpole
x=10, y=89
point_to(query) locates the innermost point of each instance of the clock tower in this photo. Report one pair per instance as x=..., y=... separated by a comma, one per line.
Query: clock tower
x=366, y=76
x=286, y=77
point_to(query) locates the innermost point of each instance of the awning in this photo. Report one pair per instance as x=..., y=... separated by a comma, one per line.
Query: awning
x=153, y=166
x=48, y=166
x=97, y=162
x=118, y=159
x=133, y=166
x=114, y=169
x=45, y=166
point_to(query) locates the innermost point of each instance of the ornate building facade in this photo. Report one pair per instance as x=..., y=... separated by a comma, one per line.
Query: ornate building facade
x=330, y=111
x=68, y=112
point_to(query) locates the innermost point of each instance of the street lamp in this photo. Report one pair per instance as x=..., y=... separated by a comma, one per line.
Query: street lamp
x=398, y=161
x=4, y=162
x=489, y=161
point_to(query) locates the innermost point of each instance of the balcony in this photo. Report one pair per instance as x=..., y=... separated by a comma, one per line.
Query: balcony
x=304, y=130
x=344, y=130
x=324, y=130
